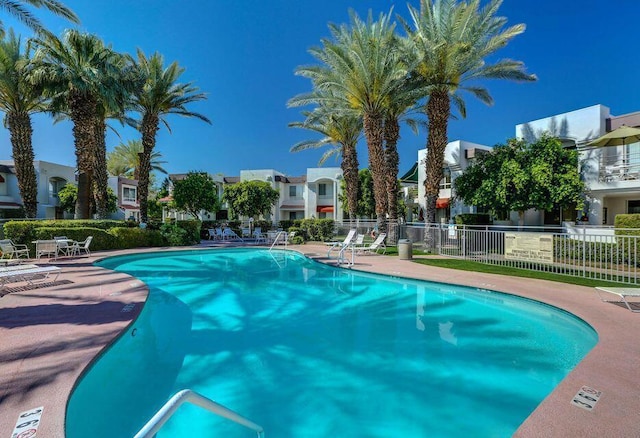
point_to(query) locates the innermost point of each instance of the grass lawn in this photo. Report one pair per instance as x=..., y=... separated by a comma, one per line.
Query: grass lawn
x=466, y=265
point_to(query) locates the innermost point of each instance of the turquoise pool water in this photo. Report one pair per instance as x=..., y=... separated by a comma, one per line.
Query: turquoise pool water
x=308, y=350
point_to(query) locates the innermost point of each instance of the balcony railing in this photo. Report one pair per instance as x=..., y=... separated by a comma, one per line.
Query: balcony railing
x=626, y=168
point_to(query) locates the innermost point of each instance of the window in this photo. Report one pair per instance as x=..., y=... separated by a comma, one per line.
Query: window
x=292, y=191
x=633, y=207
x=446, y=180
x=293, y=215
x=128, y=194
x=322, y=189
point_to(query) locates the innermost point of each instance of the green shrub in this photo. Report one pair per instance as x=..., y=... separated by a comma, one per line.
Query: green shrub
x=296, y=240
x=473, y=219
x=192, y=229
x=286, y=224
x=315, y=229
x=173, y=234
x=137, y=237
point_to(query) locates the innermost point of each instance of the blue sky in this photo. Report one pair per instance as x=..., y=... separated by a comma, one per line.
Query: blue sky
x=243, y=54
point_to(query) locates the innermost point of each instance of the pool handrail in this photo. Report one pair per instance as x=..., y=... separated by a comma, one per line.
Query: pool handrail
x=277, y=237
x=156, y=422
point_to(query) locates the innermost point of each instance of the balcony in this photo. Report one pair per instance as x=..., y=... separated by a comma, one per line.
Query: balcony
x=620, y=169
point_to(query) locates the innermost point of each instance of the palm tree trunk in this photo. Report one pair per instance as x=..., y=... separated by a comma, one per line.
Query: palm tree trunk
x=19, y=125
x=150, y=126
x=351, y=179
x=100, y=176
x=83, y=108
x=438, y=112
x=391, y=137
x=374, y=134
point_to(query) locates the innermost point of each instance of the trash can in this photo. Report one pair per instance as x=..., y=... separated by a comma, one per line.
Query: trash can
x=405, y=249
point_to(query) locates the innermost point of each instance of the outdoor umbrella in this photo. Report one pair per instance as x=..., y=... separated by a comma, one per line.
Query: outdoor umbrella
x=618, y=137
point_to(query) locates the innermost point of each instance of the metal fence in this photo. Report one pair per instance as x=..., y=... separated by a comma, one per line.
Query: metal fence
x=599, y=253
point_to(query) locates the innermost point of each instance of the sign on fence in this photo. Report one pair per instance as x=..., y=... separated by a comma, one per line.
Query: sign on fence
x=531, y=247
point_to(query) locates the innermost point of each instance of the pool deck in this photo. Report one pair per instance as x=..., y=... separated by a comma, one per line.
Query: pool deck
x=50, y=333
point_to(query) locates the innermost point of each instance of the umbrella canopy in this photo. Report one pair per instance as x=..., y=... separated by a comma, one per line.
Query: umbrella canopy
x=618, y=137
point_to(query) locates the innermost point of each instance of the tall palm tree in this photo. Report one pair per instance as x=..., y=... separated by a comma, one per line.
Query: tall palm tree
x=79, y=72
x=18, y=100
x=124, y=160
x=343, y=131
x=451, y=41
x=362, y=65
x=160, y=96
x=18, y=9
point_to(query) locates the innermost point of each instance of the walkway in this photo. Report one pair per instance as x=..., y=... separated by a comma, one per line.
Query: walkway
x=50, y=334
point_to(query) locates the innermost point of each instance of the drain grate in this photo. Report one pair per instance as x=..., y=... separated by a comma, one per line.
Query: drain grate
x=128, y=308
x=586, y=398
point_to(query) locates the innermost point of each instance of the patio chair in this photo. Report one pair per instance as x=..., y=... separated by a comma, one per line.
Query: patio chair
x=376, y=245
x=12, y=250
x=47, y=248
x=211, y=233
x=64, y=245
x=246, y=232
x=82, y=246
x=351, y=235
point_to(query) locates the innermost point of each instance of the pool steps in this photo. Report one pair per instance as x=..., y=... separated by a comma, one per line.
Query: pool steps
x=156, y=422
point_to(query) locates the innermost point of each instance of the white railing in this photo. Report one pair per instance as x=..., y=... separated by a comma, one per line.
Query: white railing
x=154, y=425
x=281, y=236
x=587, y=252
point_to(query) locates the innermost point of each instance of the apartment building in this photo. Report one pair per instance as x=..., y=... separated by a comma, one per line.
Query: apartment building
x=51, y=177
x=611, y=173
x=313, y=195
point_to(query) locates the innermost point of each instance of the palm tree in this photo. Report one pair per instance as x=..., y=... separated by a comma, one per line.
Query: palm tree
x=80, y=73
x=18, y=10
x=160, y=96
x=343, y=131
x=451, y=41
x=124, y=160
x=362, y=65
x=18, y=100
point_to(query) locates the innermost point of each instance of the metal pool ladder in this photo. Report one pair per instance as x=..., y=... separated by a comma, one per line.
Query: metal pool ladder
x=284, y=235
x=156, y=422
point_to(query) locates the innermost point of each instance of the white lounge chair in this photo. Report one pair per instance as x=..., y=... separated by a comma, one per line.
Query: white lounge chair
x=351, y=235
x=12, y=250
x=623, y=293
x=212, y=233
x=229, y=234
x=82, y=246
x=376, y=245
x=28, y=273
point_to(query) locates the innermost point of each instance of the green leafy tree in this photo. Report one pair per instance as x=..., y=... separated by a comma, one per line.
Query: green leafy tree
x=68, y=196
x=366, y=204
x=452, y=42
x=196, y=192
x=519, y=176
x=160, y=96
x=250, y=198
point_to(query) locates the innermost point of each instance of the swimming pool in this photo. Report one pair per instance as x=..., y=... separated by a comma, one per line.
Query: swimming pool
x=305, y=349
